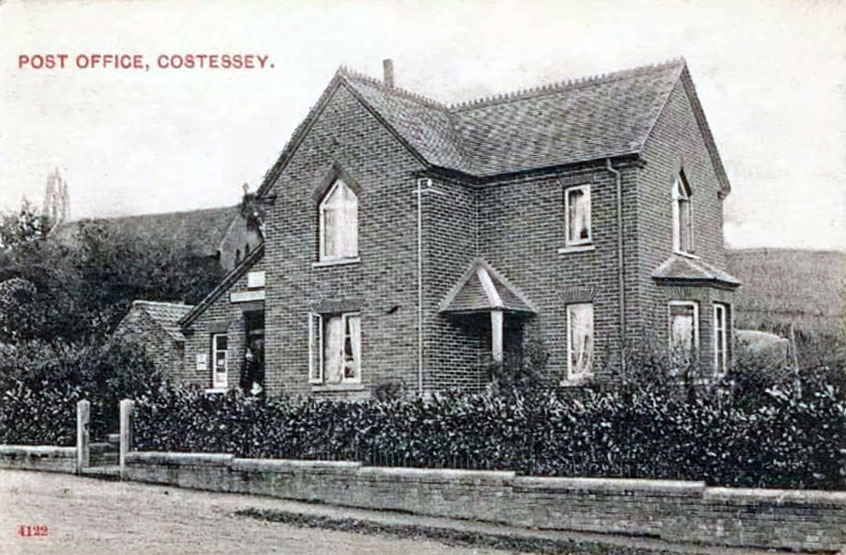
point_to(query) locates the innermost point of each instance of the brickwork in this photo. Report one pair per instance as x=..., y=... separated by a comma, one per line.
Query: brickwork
x=347, y=134
x=673, y=511
x=165, y=352
x=522, y=228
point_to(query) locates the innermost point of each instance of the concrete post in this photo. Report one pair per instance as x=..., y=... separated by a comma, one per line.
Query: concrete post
x=125, y=442
x=83, y=423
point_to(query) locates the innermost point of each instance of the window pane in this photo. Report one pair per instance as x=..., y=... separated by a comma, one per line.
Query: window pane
x=578, y=215
x=684, y=226
x=339, y=213
x=580, y=323
x=682, y=326
x=333, y=337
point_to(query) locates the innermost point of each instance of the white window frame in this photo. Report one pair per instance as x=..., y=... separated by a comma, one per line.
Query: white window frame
x=680, y=194
x=322, y=256
x=721, y=333
x=216, y=383
x=695, y=306
x=572, y=242
x=571, y=377
x=316, y=367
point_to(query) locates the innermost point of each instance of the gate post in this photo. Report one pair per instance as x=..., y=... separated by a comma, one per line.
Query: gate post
x=125, y=442
x=83, y=422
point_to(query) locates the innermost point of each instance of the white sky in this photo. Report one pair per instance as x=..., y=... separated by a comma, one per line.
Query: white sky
x=770, y=74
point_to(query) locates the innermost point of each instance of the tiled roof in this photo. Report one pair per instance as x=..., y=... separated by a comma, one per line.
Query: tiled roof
x=682, y=268
x=481, y=289
x=167, y=315
x=575, y=121
x=605, y=116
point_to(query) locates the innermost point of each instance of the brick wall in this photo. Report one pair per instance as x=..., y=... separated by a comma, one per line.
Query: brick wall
x=674, y=511
x=222, y=316
x=385, y=279
x=521, y=229
x=165, y=352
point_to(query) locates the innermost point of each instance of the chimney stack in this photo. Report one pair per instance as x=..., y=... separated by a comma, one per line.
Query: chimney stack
x=388, y=70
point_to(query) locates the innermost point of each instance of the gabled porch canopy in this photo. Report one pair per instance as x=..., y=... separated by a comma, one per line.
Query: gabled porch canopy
x=481, y=289
x=681, y=270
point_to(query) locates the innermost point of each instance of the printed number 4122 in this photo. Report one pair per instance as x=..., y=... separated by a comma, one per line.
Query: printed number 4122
x=32, y=530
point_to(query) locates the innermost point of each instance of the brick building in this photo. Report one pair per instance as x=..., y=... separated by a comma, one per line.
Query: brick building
x=409, y=241
x=155, y=327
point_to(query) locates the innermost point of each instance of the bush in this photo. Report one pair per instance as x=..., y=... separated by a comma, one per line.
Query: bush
x=787, y=441
x=54, y=376
x=39, y=417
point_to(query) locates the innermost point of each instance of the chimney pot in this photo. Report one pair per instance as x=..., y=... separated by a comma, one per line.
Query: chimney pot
x=388, y=70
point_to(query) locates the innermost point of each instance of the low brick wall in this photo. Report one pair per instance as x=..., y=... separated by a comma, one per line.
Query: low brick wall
x=38, y=457
x=675, y=511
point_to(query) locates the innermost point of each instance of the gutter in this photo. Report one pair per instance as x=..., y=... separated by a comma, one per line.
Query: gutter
x=620, y=270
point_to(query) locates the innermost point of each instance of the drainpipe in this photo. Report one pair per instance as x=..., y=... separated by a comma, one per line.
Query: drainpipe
x=620, y=274
x=419, y=193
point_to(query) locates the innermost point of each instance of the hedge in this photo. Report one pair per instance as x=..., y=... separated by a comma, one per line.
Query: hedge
x=785, y=440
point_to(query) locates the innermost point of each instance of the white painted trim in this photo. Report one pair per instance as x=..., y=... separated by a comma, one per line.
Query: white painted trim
x=215, y=390
x=717, y=306
x=344, y=386
x=570, y=250
x=246, y=296
x=335, y=262
x=496, y=335
x=255, y=280
x=488, y=287
x=223, y=384
x=687, y=255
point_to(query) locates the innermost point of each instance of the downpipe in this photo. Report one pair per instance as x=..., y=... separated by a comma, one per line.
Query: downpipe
x=620, y=271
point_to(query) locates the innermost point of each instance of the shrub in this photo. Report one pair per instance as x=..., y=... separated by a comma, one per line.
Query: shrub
x=786, y=441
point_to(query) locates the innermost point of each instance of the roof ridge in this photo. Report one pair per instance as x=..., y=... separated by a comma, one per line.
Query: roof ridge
x=352, y=74
x=568, y=84
x=137, y=302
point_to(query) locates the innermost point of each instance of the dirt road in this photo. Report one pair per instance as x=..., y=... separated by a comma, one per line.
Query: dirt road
x=83, y=515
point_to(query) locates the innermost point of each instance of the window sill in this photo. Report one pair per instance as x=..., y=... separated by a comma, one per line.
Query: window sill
x=316, y=388
x=576, y=382
x=216, y=390
x=686, y=254
x=335, y=262
x=576, y=248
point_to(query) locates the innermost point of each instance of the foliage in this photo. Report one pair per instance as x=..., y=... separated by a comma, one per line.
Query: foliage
x=39, y=416
x=84, y=284
x=782, y=440
x=53, y=376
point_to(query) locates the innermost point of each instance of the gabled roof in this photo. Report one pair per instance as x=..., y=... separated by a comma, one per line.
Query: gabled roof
x=224, y=285
x=482, y=289
x=684, y=270
x=166, y=315
x=576, y=121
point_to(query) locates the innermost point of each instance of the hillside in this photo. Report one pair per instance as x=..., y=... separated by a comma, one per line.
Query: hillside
x=781, y=286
